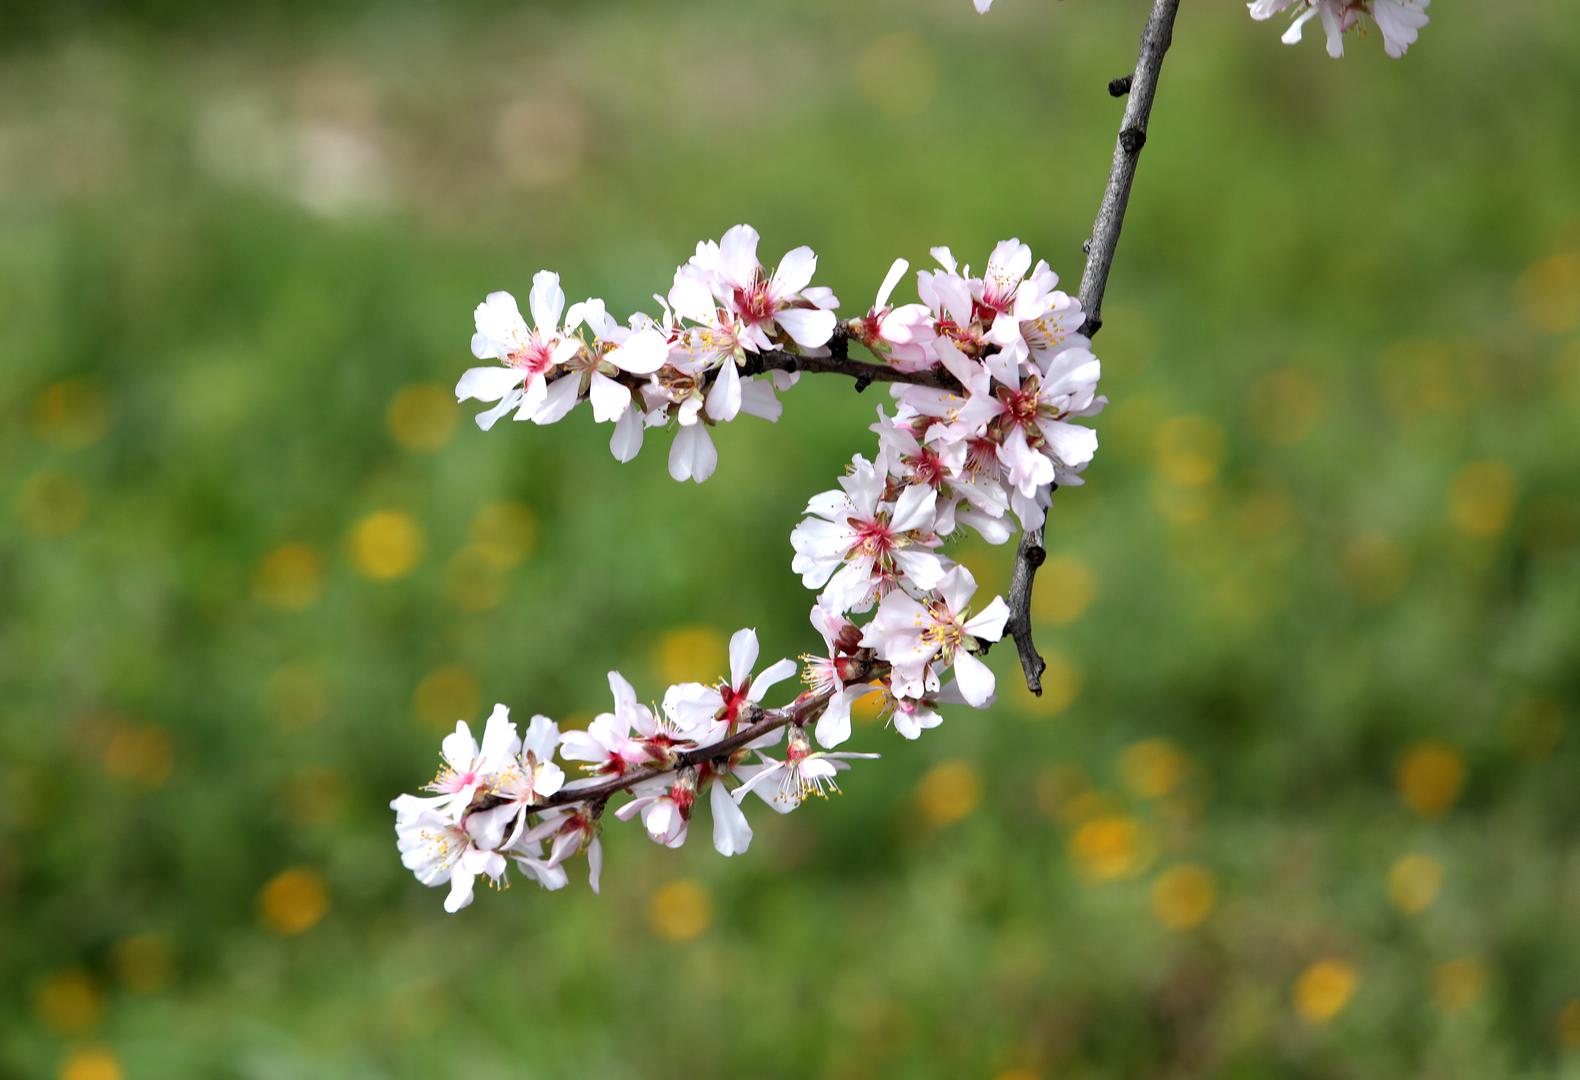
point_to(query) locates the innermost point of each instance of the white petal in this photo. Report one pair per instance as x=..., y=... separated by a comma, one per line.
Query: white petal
x=975, y=679
x=732, y=834
x=626, y=442
x=610, y=400
x=487, y=383
x=793, y=273
x=738, y=254
x=643, y=353
x=558, y=400
x=890, y=280
x=833, y=727
x=724, y=396
x=914, y=509
x=743, y=654
x=547, y=300
x=769, y=677
x=808, y=328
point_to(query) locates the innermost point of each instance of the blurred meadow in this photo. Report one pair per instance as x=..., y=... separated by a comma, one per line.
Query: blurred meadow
x=1302, y=796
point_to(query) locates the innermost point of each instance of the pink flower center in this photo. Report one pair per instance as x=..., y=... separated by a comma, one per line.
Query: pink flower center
x=754, y=304
x=872, y=538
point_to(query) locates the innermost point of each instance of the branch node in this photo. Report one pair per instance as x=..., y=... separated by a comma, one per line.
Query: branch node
x=862, y=382
x=1132, y=139
x=1036, y=555
x=1119, y=87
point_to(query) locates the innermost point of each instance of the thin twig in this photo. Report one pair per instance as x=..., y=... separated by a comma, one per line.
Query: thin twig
x=1142, y=88
x=803, y=710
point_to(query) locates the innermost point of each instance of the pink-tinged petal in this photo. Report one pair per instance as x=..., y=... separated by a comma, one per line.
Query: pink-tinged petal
x=460, y=891
x=758, y=399
x=914, y=509
x=922, y=568
x=542, y=737
x=459, y=748
x=957, y=588
x=610, y=400
x=643, y=353
x=897, y=270
x=732, y=834
x=489, y=417
x=944, y=257
x=833, y=727
x=743, y=654
x=558, y=400
x=626, y=442
x=693, y=457
x=1072, y=444
x=724, y=396
x=989, y=623
x=738, y=254
x=769, y=677
x=547, y=300
x=793, y=273
x=487, y=383
x=594, y=863
x=691, y=298
x=975, y=679
x=547, y=778
x=807, y=327
x=499, y=740
x=537, y=390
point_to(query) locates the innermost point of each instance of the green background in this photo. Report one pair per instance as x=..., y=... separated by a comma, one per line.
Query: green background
x=1302, y=797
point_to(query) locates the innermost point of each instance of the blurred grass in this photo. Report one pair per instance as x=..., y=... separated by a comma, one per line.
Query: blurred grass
x=1301, y=798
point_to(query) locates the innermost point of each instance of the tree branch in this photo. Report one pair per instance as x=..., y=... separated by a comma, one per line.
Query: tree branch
x=1142, y=88
x=802, y=710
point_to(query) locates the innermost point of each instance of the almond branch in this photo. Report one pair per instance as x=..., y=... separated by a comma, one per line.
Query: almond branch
x=1141, y=87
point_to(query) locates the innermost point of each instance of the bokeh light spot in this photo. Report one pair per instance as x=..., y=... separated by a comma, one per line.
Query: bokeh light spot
x=90, y=1063
x=1569, y=1025
x=387, y=544
x=1190, y=450
x=72, y=414
x=293, y=901
x=1413, y=883
x=1324, y=989
x=1457, y=984
x=52, y=503
x=290, y=578
x=1482, y=498
x=1152, y=768
x=1065, y=587
x=1549, y=293
x=69, y=1002
x=1061, y=685
x=142, y=962
x=1183, y=896
x=445, y=695
x=140, y=753
x=505, y=533
x=948, y=792
x=1430, y=778
x=422, y=417
x=1285, y=405
x=680, y=910
x=691, y=654
x=474, y=581
x=1109, y=847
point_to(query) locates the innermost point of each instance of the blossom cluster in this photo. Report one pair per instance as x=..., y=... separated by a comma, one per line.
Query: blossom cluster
x=1400, y=21
x=485, y=808
x=684, y=365
x=990, y=374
